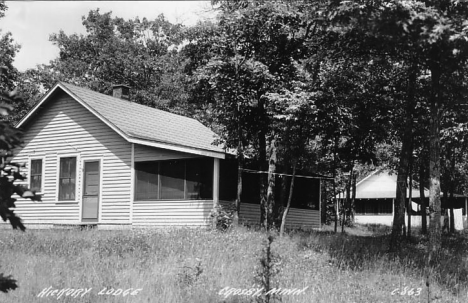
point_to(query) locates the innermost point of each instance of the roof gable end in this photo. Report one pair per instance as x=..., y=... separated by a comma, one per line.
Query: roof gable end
x=139, y=124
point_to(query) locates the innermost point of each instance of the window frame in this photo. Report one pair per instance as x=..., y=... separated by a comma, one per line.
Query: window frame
x=42, y=158
x=77, y=176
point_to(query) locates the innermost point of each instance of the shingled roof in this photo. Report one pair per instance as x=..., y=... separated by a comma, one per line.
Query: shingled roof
x=141, y=124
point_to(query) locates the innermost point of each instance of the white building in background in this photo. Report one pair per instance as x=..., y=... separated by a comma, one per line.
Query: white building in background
x=375, y=196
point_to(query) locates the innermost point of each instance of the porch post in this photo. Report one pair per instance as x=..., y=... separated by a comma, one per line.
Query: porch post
x=320, y=203
x=132, y=181
x=215, y=189
x=466, y=209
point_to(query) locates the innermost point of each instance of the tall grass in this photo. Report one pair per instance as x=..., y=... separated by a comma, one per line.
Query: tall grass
x=193, y=265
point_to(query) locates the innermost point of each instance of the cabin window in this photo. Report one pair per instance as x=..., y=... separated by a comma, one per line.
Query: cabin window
x=67, y=179
x=184, y=179
x=35, y=176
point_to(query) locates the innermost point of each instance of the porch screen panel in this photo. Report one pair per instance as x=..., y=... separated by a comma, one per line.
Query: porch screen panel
x=199, y=178
x=370, y=207
x=385, y=206
x=147, y=187
x=67, y=178
x=360, y=209
x=172, y=177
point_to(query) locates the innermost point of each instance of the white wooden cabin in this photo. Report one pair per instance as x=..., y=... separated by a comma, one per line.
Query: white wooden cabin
x=375, y=198
x=106, y=161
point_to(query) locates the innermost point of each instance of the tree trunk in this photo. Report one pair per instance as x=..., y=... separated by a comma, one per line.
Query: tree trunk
x=323, y=202
x=452, y=190
x=282, y=201
x=452, y=219
x=263, y=178
x=347, y=203
x=422, y=177
x=400, y=200
x=353, y=200
x=398, y=228
x=271, y=185
x=435, y=233
x=291, y=189
x=410, y=203
x=240, y=168
x=334, y=184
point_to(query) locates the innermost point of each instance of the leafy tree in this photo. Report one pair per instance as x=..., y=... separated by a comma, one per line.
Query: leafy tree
x=254, y=53
x=296, y=122
x=431, y=34
x=8, y=50
x=141, y=53
x=353, y=111
x=9, y=139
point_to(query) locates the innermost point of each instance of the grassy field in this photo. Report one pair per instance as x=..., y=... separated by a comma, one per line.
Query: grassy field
x=184, y=265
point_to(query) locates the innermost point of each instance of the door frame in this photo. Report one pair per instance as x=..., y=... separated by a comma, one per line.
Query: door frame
x=82, y=185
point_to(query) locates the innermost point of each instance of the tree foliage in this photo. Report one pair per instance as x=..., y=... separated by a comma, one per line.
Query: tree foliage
x=141, y=53
x=10, y=138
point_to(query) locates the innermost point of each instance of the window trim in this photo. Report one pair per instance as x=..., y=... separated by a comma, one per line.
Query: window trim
x=42, y=158
x=77, y=178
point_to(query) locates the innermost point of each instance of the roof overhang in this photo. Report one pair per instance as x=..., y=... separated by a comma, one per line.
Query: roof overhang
x=184, y=149
x=130, y=139
x=36, y=107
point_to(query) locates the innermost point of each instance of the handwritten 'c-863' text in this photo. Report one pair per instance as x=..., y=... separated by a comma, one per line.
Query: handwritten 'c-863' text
x=407, y=291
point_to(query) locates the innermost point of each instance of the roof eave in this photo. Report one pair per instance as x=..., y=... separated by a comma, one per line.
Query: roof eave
x=179, y=148
x=36, y=107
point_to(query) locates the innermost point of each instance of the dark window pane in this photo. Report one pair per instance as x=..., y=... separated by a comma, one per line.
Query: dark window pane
x=228, y=180
x=67, y=179
x=385, y=206
x=306, y=193
x=146, y=180
x=36, y=175
x=172, y=174
x=360, y=206
x=199, y=175
x=250, y=188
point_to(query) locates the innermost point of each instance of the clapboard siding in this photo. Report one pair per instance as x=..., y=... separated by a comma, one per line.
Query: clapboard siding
x=65, y=127
x=304, y=218
x=172, y=213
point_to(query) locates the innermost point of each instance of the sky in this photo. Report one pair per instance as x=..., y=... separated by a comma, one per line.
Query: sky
x=31, y=22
